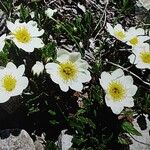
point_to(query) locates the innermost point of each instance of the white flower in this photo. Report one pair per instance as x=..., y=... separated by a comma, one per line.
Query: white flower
x=2, y=41
x=38, y=68
x=25, y=35
x=119, y=90
x=12, y=81
x=136, y=37
x=50, y=12
x=71, y=71
x=118, y=32
x=141, y=56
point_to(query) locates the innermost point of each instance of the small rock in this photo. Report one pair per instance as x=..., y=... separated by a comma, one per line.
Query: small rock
x=21, y=142
x=64, y=141
x=141, y=142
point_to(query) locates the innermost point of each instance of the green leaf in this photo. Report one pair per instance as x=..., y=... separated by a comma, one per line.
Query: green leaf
x=49, y=51
x=54, y=122
x=24, y=13
x=50, y=146
x=52, y=112
x=124, y=139
x=129, y=128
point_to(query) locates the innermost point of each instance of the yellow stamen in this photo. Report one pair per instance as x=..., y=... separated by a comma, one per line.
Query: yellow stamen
x=134, y=41
x=68, y=71
x=145, y=56
x=9, y=83
x=116, y=90
x=120, y=35
x=22, y=35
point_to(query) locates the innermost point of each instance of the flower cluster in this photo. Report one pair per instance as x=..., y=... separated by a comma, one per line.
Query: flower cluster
x=136, y=38
x=69, y=70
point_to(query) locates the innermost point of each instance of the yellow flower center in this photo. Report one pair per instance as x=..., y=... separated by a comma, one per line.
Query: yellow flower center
x=9, y=83
x=145, y=56
x=116, y=90
x=68, y=71
x=22, y=35
x=134, y=41
x=120, y=35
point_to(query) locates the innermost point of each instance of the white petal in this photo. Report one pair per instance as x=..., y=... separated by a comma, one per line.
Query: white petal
x=73, y=57
x=34, y=31
x=84, y=76
x=11, y=66
x=26, y=47
x=51, y=68
x=4, y=97
x=117, y=109
x=132, y=90
x=128, y=102
x=77, y=86
x=22, y=84
x=62, y=55
x=32, y=23
x=64, y=87
x=116, y=106
x=108, y=101
x=140, y=31
x=55, y=78
x=142, y=65
x=118, y=27
x=110, y=29
x=127, y=81
x=62, y=52
x=143, y=38
x=21, y=70
x=10, y=26
x=105, y=79
x=82, y=64
x=37, y=43
x=117, y=74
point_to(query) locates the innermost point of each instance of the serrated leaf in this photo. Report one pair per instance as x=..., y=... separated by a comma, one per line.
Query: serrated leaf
x=129, y=128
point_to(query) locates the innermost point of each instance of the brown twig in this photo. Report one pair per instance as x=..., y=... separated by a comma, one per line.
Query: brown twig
x=125, y=69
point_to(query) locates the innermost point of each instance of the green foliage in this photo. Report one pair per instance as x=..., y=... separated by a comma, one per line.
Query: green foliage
x=24, y=12
x=48, y=108
x=129, y=128
x=50, y=146
x=49, y=51
x=124, y=139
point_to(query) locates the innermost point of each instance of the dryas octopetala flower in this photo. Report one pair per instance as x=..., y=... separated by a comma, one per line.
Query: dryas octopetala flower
x=38, y=68
x=119, y=90
x=141, y=56
x=12, y=81
x=70, y=71
x=50, y=12
x=2, y=41
x=118, y=32
x=25, y=35
x=136, y=37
